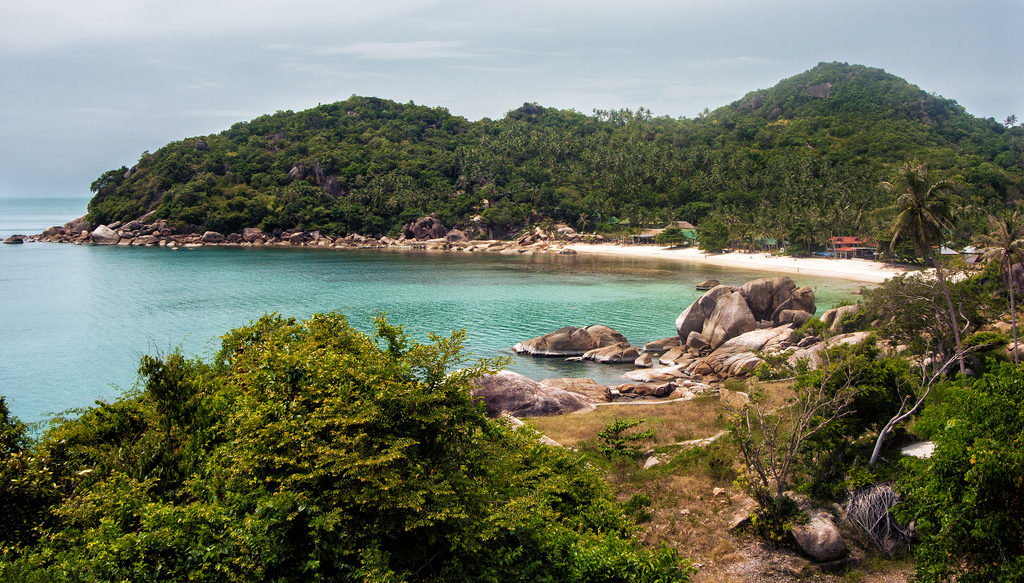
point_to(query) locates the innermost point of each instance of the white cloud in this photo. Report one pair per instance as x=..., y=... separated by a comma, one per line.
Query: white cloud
x=417, y=50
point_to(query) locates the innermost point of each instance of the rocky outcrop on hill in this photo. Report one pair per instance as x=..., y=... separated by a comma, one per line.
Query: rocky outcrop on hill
x=512, y=393
x=571, y=341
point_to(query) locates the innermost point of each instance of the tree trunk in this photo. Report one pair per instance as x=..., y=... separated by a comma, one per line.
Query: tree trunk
x=949, y=306
x=1013, y=316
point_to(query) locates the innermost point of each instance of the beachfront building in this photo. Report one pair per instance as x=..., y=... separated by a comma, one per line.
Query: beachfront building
x=648, y=236
x=854, y=247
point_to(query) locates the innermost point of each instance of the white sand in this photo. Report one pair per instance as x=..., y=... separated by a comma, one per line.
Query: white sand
x=860, y=270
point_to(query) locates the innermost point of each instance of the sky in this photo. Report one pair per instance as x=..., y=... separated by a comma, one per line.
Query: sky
x=89, y=86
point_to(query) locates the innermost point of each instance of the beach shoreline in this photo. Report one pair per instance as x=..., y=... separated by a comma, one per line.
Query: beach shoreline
x=859, y=270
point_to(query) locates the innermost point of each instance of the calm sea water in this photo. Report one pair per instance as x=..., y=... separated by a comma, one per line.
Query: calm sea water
x=76, y=319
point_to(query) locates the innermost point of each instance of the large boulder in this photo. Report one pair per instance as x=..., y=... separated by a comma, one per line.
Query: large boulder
x=251, y=234
x=512, y=393
x=104, y=235
x=614, y=354
x=570, y=341
x=737, y=356
x=588, y=388
x=813, y=353
x=766, y=294
x=819, y=538
x=456, y=236
x=725, y=312
x=692, y=319
x=212, y=237
x=800, y=299
x=730, y=318
x=78, y=225
x=425, y=228
x=834, y=317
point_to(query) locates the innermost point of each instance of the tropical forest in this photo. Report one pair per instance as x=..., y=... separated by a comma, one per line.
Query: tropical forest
x=878, y=440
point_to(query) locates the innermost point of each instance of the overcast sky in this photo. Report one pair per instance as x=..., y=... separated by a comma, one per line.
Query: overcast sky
x=88, y=86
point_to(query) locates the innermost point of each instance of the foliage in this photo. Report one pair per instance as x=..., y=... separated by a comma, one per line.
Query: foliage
x=778, y=164
x=771, y=437
x=967, y=500
x=615, y=441
x=923, y=210
x=911, y=309
x=307, y=451
x=26, y=484
x=1005, y=243
x=671, y=236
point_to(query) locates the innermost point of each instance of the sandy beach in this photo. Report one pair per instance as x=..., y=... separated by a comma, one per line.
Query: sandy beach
x=860, y=270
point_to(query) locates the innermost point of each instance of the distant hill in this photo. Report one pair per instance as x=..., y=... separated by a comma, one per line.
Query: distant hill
x=799, y=160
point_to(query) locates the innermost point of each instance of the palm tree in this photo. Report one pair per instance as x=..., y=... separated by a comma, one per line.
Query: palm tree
x=1005, y=242
x=923, y=211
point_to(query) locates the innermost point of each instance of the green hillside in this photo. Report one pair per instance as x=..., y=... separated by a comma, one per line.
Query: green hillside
x=800, y=160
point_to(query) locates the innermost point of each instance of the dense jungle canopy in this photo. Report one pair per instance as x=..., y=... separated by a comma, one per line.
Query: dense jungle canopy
x=800, y=161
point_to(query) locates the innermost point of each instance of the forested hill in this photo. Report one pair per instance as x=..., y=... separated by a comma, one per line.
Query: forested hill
x=800, y=160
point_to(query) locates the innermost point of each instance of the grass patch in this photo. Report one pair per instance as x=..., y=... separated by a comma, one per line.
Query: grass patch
x=671, y=422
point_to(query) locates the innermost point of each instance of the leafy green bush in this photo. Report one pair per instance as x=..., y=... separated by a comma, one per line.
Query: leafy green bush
x=967, y=500
x=307, y=451
x=615, y=441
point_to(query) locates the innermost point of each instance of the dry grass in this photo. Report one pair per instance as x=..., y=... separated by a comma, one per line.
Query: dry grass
x=684, y=511
x=671, y=422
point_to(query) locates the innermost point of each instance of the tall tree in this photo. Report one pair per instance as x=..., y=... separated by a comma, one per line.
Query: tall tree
x=1005, y=240
x=923, y=210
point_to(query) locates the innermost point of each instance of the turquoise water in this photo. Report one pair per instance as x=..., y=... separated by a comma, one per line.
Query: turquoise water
x=76, y=319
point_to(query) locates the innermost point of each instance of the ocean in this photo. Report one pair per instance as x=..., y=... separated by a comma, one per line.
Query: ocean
x=76, y=319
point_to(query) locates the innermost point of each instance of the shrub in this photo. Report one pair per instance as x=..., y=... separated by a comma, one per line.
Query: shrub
x=967, y=500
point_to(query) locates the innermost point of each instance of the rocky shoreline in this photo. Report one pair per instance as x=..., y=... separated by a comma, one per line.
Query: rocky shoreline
x=726, y=333
x=426, y=234
x=723, y=334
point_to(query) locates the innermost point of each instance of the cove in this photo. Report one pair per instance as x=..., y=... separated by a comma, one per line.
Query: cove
x=76, y=319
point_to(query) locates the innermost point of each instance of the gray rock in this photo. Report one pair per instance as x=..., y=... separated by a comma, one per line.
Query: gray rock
x=78, y=225
x=766, y=294
x=614, y=354
x=588, y=388
x=104, y=235
x=661, y=345
x=456, y=236
x=730, y=318
x=795, y=317
x=212, y=237
x=570, y=341
x=14, y=240
x=819, y=538
x=424, y=228
x=800, y=299
x=250, y=234
x=708, y=284
x=512, y=393
x=834, y=317
x=693, y=317
x=813, y=353
x=644, y=360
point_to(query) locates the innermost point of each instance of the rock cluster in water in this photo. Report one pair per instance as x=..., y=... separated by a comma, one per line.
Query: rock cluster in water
x=720, y=335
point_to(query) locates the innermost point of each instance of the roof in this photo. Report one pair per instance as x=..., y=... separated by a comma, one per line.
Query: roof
x=850, y=241
x=680, y=225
